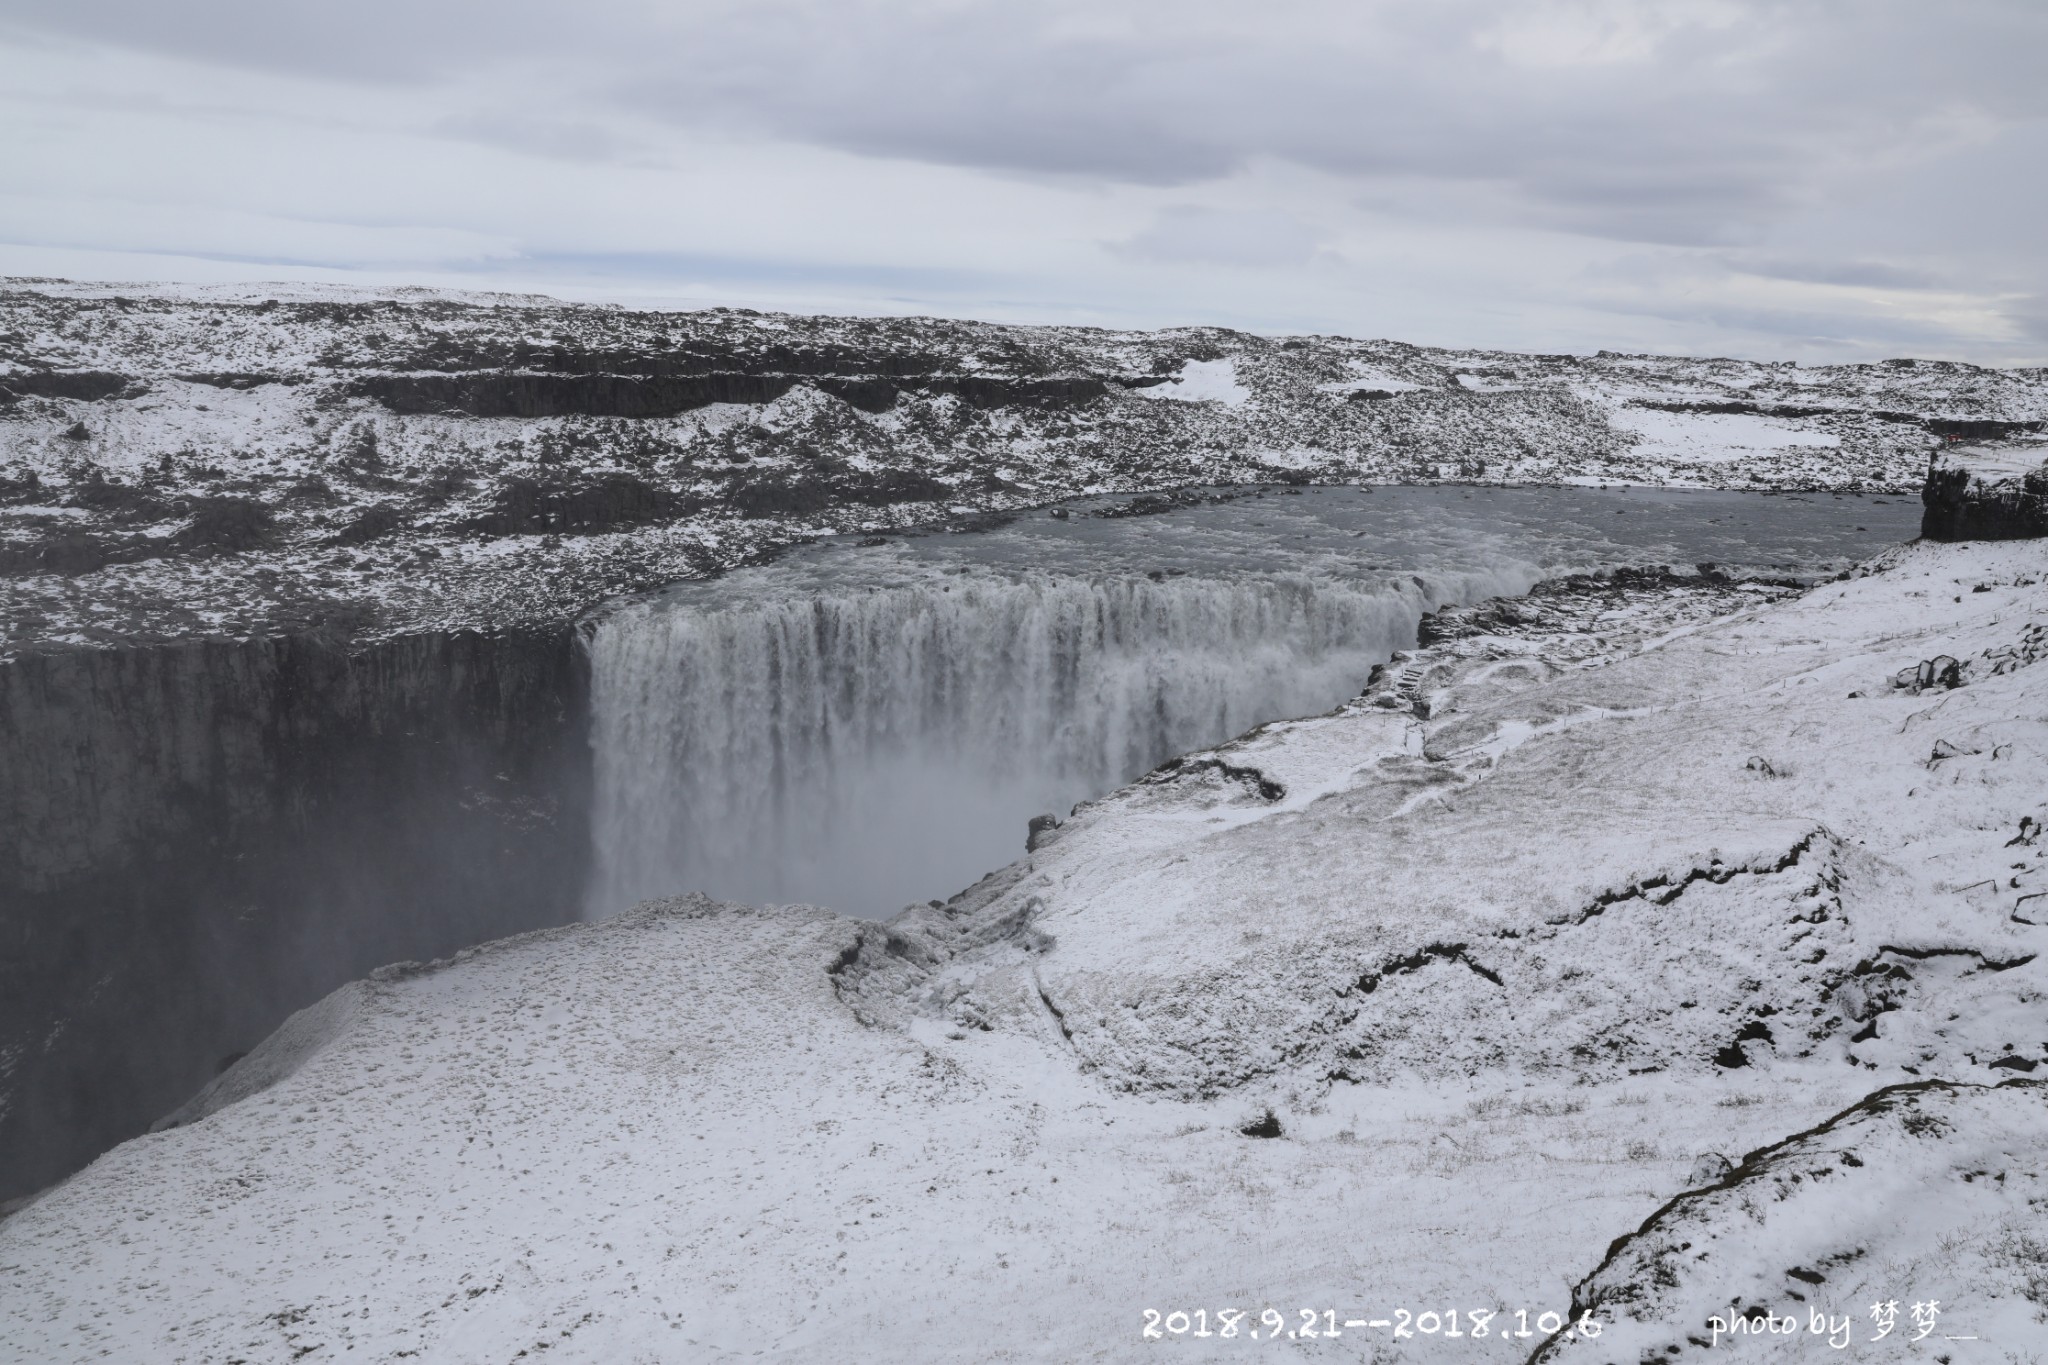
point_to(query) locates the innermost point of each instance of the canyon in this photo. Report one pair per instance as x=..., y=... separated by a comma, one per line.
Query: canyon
x=349, y=633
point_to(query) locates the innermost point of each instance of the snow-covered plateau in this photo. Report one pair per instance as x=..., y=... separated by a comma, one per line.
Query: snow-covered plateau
x=178, y=463
x=1662, y=952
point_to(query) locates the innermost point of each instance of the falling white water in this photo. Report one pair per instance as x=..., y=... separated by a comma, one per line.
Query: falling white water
x=863, y=747
x=865, y=725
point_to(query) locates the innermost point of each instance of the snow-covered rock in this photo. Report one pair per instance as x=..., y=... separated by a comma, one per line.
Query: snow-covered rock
x=1791, y=1251
x=1988, y=492
x=180, y=462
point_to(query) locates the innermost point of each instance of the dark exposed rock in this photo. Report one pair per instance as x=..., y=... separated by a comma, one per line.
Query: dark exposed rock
x=1540, y=606
x=1735, y=407
x=780, y=497
x=610, y=502
x=985, y=391
x=554, y=395
x=381, y=519
x=73, y=554
x=312, y=489
x=226, y=380
x=198, y=839
x=1950, y=428
x=890, y=486
x=1040, y=832
x=1266, y=1125
x=805, y=494
x=530, y=394
x=1494, y=616
x=1210, y=767
x=86, y=385
x=103, y=494
x=1942, y=672
x=689, y=359
x=1980, y=428
x=869, y=395
x=228, y=524
x=1962, y=503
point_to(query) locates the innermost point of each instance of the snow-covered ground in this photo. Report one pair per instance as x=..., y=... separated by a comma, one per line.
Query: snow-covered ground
x=1201, y=381
x=179, y=462
x=1471, y=995
x=1689, y=438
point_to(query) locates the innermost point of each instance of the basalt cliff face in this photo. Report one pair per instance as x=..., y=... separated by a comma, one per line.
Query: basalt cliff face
x=201, y=837
x=1987, y=491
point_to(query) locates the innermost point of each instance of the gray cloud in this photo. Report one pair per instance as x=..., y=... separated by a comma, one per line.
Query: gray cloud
x=1854, y=273
x=1825, y=143
x=1716, y=109
x=1209, y=236
x=2030, y=316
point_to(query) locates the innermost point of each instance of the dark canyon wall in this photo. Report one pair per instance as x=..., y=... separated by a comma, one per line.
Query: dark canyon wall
x=1961, y=505
x=198, y=839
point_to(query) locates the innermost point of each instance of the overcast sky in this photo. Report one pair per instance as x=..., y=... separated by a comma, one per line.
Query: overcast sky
x=1806, y=179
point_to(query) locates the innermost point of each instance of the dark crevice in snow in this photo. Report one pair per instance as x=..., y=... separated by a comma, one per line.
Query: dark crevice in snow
x=1059, y=1016
x=1989, y=964
x=1266, y=788
x=1642, y=1266
x=1662, y=889
x=1415, y=961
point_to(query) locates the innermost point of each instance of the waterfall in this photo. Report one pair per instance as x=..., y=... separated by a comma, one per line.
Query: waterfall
x=865, y=745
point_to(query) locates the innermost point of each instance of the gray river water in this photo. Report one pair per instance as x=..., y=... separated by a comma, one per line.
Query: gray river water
x=864, y=725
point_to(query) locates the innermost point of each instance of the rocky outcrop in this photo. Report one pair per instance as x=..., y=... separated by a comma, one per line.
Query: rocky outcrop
x=556, y=395
x=82, y=385
x=561, y=506
x=1802, y=1236
x=502, y=394
x=1987, y=492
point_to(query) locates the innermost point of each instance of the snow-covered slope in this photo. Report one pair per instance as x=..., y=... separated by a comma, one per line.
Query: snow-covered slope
x=179, y=462
x=1417, y=1006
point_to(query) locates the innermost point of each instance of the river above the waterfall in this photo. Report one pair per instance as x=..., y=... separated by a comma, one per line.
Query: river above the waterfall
x=870, y=721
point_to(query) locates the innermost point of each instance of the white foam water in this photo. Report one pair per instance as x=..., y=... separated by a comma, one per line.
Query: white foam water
x=863, y=748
